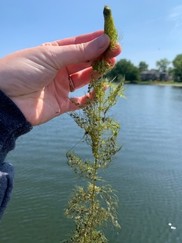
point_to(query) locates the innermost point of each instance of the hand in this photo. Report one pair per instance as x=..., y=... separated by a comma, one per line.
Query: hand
x=38, y=79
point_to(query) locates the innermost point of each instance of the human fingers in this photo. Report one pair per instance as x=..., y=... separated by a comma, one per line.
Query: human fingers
x=110, y=53
x=71, y=69
x=109, y=56
x=79, y=53
x=76, y=103
x=82, y=78
x=85, y=76
x=76, y=39
x=85, y=38
x=79, y=102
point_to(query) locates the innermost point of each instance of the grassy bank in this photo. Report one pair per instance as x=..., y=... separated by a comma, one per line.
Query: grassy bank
x=161, y=83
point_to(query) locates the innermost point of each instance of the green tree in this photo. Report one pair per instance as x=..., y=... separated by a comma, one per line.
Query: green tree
x=143, y=66
x=124, y=69
x=177, y=63
x=162, y=65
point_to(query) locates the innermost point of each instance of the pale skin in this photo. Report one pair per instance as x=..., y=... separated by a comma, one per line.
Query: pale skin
x=37, y=79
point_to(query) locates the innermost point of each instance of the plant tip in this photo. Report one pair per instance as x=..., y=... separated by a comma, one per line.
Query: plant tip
x=107, y=11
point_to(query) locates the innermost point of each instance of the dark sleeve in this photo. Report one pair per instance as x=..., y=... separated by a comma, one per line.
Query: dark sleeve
x=12, y=125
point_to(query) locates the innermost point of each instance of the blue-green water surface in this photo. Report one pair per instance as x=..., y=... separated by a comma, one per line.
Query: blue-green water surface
x=147, y=173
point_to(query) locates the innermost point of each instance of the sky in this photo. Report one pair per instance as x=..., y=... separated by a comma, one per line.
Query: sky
x=149, y=30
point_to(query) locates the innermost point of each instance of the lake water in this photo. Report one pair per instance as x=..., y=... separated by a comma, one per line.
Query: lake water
x=147, y=173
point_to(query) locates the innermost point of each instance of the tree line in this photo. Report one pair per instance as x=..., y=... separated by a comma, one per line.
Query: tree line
x=125, y=69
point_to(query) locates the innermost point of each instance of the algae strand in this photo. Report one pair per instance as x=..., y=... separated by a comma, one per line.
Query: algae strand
x=95, y=204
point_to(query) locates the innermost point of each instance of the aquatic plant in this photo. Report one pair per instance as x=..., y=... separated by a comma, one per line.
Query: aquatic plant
x=94, y=204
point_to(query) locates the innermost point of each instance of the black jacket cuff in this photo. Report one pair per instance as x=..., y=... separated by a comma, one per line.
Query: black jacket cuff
x=12, y=125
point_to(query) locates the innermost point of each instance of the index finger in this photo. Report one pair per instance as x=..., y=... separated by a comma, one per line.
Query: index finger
x=78, y=39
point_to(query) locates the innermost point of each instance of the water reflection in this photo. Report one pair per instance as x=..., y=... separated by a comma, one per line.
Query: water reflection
x=147, y=173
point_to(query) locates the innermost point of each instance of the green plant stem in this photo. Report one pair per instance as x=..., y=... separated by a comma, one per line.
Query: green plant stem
x=92, y=206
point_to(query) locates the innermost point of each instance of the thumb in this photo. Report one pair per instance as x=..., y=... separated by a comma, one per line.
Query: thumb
x=79, y=53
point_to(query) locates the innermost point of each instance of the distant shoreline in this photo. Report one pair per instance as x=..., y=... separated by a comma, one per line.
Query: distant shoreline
x=164, y=83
